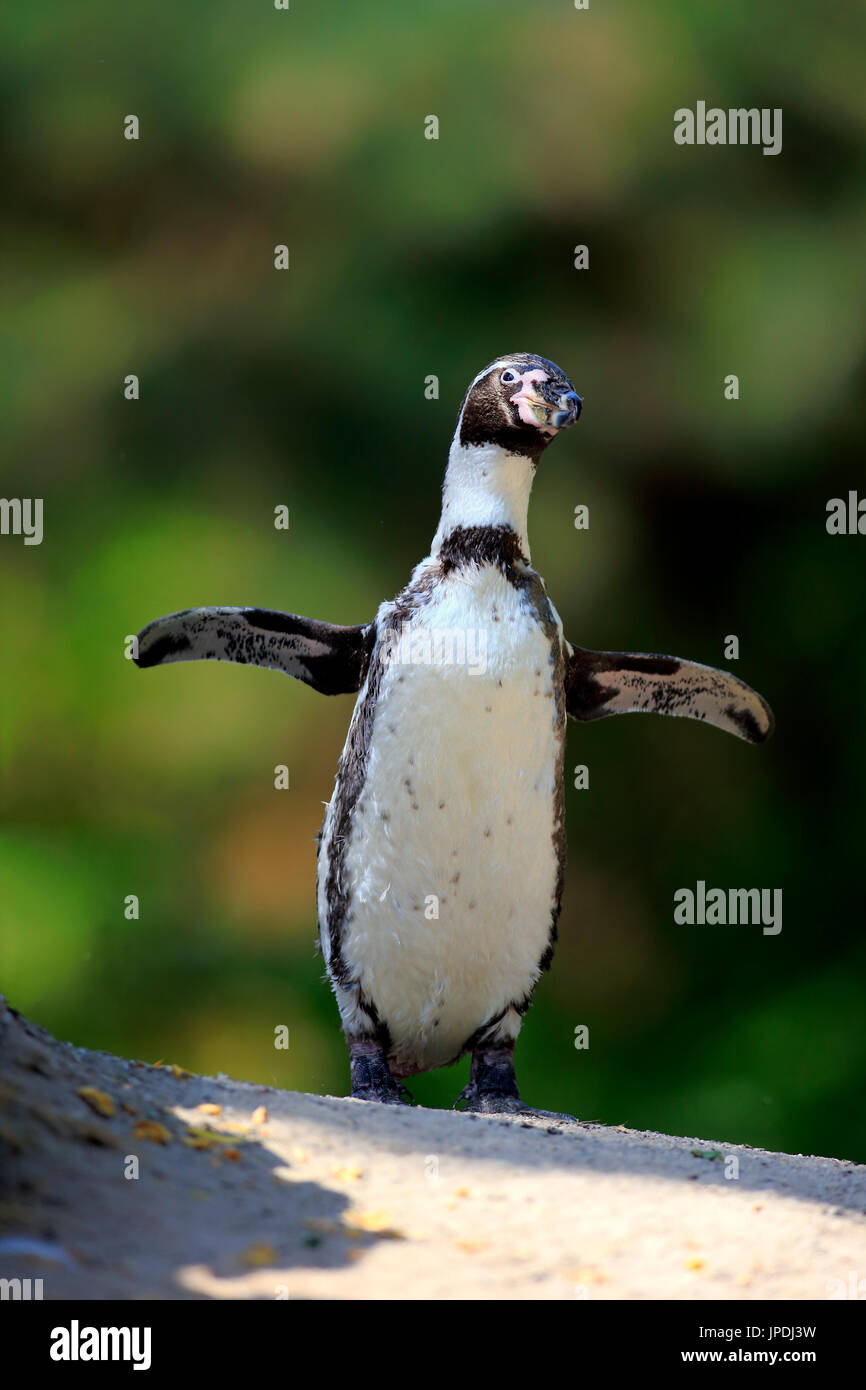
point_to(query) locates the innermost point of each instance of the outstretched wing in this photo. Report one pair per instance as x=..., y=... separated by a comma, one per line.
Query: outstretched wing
x=333, y=660
x=602, y=683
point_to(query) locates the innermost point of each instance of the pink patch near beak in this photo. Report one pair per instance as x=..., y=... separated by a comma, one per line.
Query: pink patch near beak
x=530, y=406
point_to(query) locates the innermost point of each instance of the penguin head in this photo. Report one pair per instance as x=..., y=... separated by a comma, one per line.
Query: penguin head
x=520, y=402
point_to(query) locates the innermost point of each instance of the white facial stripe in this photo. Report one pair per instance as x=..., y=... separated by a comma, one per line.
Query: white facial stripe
x=494, y=367
x=533, y=374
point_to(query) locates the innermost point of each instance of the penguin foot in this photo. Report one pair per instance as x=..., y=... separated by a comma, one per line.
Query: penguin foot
x=371, y=1075
x=492, y=1088
x=385, y=1096
x=488, y=1102
x=495, y=1103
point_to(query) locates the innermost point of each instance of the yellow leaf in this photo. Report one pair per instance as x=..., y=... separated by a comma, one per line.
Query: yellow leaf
x=208, y=1108
x=97, y=1100
x=210, y=1136
x=347, y=1174
x=151, y=1129
x=260, y=1115
x=377, y=1221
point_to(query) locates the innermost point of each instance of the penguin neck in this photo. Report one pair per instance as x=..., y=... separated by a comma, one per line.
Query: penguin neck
x=485, y=486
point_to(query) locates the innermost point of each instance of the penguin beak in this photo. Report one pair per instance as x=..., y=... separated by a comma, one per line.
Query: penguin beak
x=552, y=412
x=568, y=412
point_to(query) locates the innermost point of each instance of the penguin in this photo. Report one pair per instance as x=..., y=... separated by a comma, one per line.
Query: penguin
x=442, y=852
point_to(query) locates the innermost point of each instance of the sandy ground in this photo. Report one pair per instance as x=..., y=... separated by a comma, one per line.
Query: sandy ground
x=282, y=1195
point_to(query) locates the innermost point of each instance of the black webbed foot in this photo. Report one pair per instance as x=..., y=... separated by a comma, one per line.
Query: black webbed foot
x=488, y=1102
x=492, y=1088
x=371, y=1075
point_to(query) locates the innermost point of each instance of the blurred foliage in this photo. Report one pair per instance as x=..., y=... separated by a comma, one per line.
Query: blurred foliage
x=412, y=257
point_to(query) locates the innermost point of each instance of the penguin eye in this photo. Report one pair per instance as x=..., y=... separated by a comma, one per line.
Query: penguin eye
x=509, y=376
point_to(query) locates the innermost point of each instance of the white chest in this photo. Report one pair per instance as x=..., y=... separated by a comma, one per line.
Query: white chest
x=451, y=866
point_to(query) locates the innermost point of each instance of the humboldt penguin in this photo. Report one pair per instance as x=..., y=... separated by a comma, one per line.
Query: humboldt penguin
x=441, y=857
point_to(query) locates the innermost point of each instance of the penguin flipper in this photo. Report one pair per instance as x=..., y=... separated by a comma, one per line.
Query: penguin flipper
x=332, y=659
x=602, y=683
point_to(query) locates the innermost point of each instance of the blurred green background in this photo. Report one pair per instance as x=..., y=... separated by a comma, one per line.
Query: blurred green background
x=408, y=258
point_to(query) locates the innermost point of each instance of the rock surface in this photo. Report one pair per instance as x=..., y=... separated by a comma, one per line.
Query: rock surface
x=249, y=1192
